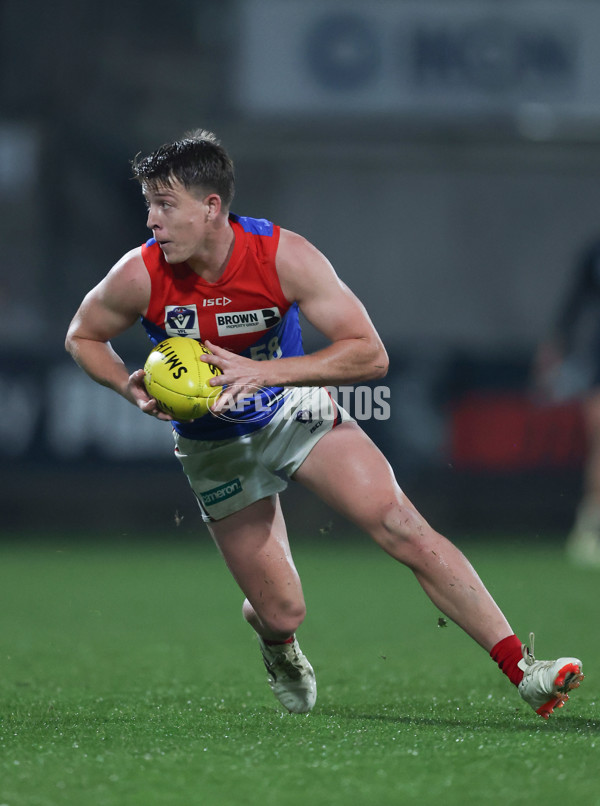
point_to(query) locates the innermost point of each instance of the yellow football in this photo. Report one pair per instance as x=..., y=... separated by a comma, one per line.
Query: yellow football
x=178, y=380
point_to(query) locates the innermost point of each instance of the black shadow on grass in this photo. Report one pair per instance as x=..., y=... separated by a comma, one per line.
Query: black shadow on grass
x=559, y=724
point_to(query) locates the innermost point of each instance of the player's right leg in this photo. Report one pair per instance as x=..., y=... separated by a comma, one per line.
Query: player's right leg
x=255, y=547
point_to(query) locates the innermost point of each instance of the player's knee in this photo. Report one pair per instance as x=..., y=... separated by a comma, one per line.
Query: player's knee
x=278, y=619
x=287, y=618
x=401, y=529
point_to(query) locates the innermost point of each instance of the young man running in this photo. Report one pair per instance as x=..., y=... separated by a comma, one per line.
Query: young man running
x=238, y=285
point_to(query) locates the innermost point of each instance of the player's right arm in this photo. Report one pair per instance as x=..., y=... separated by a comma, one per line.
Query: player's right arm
x=109, y=309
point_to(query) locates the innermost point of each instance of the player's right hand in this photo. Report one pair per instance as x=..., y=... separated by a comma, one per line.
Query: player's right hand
x=141, y=398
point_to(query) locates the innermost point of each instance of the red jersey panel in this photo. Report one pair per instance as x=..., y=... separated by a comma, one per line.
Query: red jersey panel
x=244, y=311
x=236, y=311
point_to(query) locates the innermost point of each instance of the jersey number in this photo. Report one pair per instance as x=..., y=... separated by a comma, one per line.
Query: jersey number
x=265, y=352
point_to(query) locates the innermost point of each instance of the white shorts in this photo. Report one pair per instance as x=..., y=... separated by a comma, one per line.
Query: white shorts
x=229, y=474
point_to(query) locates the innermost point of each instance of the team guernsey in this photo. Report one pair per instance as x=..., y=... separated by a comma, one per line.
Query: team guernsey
x=245, y=311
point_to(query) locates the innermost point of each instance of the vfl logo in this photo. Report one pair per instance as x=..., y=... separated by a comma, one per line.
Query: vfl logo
x=182, y=320
x=247, y=321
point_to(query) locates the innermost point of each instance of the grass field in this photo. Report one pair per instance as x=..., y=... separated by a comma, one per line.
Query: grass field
x=128, y=677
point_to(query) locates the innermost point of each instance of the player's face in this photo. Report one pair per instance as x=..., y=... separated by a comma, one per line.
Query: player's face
x=178, y=220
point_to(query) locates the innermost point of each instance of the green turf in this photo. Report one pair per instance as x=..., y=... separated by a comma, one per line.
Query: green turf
x=127, y=676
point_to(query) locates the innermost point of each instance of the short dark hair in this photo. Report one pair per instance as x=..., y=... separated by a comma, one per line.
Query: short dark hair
x=198, y=160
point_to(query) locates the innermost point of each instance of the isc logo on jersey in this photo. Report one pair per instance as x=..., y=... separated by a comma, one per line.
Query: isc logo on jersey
x=218, y=301
x=182, y=320
x=247, y=321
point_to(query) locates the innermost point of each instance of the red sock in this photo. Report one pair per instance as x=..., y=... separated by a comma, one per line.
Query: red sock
x=507, y=654
x=289, y=640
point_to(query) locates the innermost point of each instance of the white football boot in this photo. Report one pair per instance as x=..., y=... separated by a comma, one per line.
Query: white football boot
x=546, y=683
x=291, y=676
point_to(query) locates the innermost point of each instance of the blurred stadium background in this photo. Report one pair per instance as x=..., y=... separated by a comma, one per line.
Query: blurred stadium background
x=444, y=154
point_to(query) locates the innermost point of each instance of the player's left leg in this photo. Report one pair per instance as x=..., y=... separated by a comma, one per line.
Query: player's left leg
x=349, y=472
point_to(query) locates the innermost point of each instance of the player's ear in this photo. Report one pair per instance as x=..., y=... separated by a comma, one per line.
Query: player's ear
x=213, y=205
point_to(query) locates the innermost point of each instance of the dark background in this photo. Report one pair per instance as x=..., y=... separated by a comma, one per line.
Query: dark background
x=444, y=155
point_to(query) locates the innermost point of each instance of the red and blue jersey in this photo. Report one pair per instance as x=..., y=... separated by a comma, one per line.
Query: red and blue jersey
x=244, y=311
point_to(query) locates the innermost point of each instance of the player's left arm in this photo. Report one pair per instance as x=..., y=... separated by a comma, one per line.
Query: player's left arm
x=355, y=353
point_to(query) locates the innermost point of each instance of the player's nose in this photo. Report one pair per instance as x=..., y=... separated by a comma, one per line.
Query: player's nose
x=152, y=221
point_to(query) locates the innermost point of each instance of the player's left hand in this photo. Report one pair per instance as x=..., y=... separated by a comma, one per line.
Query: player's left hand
x=241, y=376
